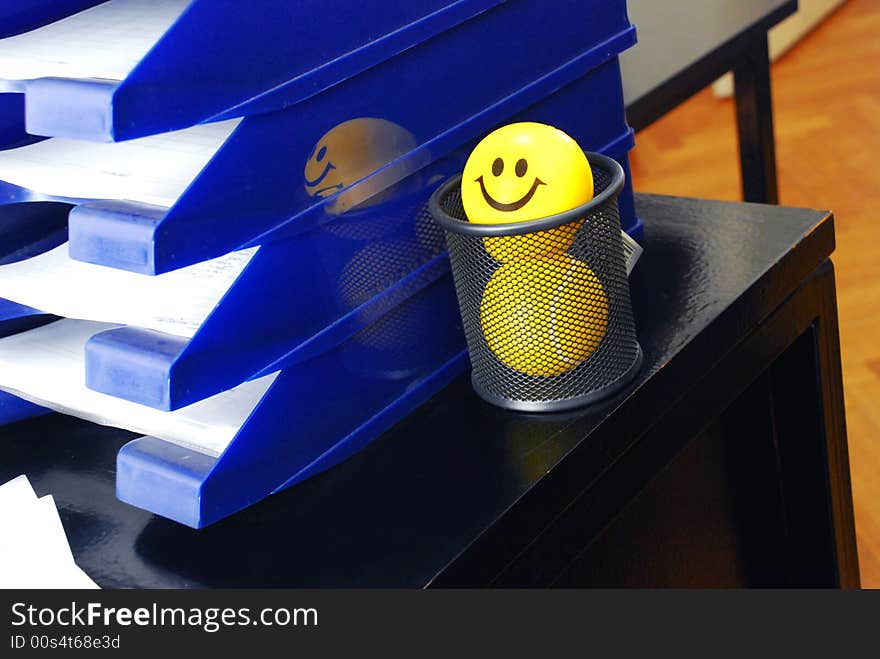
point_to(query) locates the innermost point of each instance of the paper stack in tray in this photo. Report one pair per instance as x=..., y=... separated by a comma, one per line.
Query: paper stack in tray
x=46, y=365
x=106, y=42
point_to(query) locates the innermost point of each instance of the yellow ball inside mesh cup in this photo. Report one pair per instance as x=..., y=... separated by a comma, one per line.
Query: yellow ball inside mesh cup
x=526, y=171
x=544, y=316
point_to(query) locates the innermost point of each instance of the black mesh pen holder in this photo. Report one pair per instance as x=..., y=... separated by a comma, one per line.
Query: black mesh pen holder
x=545, y=303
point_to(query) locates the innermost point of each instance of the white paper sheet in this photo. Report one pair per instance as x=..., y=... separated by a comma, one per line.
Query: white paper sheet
x=176, y=302
x=153, y=170
x=47, y=366
x=34, y=551
x=106, y=41
x=18, y=489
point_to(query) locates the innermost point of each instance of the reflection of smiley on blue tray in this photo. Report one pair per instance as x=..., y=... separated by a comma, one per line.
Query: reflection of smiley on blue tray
x=351, y=151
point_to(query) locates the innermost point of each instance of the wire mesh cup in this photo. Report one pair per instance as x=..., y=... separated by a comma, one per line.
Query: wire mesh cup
x=545, y=303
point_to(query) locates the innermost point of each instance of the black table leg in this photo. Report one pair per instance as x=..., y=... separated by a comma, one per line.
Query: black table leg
x=810, y=429
x=754, y=111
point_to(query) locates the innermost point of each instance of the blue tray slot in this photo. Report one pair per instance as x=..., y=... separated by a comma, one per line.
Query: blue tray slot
x=316, y=414
x=15, y=318
x=13, y=408
x=17, y=16
x=26, y=229
x=220, y=60
x=256, y=188
x=12, y=132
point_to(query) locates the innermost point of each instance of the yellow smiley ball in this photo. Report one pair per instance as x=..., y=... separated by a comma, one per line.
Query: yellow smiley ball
x=521, y=172
x=544, y=316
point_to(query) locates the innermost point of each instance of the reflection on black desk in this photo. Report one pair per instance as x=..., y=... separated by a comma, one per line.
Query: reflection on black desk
x=725, y=464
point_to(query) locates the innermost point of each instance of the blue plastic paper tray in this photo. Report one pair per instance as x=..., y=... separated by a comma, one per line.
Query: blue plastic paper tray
x=223, y=58
x=257, y=187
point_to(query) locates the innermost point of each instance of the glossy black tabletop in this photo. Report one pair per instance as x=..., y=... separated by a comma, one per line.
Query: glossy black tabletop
x=458, y=480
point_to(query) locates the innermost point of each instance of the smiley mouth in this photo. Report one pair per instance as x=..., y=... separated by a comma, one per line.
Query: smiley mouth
x=314, y=182
x=513, y=206
x=326, y=192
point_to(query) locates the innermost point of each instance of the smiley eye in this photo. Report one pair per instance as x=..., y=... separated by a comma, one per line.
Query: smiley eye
x=497, y=166
x=521, y=167
x=321, y=153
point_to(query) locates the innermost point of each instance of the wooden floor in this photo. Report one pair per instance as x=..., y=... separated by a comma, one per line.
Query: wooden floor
x=827, y=113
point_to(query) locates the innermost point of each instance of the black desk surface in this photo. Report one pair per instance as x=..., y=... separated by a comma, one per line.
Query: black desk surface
x=459, y=485
x=681, y=43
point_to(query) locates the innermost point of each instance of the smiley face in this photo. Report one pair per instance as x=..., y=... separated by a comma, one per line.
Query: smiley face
x=522, y=166
x=525, y=171
x=348, y=153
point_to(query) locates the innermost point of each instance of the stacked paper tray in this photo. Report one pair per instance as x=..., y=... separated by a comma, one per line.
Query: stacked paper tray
x=127, y=68
x=263, y=293
x=180, y=198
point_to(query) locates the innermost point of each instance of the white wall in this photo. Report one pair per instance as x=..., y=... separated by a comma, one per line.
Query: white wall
x=782, y=37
